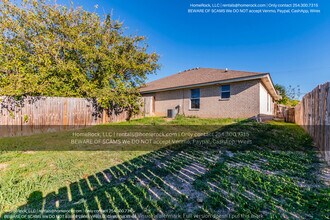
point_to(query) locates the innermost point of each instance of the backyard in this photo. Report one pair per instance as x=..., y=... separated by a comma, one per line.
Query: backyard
x=254, y=170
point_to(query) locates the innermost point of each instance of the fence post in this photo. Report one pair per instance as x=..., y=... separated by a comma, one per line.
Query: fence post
x=313, y=114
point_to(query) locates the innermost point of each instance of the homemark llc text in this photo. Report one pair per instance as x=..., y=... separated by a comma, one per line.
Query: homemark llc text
x=93, y=134
x=86, y=134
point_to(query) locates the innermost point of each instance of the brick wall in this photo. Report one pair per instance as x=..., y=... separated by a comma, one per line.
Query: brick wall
x=244, y=101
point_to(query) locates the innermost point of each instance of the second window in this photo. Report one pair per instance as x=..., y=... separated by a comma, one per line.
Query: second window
x=225, y=92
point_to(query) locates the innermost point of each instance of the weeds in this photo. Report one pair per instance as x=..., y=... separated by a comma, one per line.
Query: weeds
x=275, y=176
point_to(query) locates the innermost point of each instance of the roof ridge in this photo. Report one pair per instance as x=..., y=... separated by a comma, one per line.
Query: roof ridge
x=183, y=71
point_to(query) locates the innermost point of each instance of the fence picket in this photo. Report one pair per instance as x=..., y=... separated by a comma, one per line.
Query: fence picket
x=42, y=114
x=313, y=114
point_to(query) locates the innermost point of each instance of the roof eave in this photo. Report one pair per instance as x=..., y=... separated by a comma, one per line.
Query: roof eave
x=270, y=87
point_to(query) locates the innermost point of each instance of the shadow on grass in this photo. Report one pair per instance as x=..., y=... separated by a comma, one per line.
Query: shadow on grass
x=270, y=171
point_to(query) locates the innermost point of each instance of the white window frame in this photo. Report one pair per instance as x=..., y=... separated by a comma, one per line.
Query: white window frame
x=267, y=102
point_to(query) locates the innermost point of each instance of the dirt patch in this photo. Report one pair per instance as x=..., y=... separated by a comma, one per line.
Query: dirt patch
x=325, y=175
x=183, y=182
x=3, y=166
x=29, y=152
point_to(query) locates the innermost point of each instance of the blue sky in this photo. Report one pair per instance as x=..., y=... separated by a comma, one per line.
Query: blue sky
x=294, y=48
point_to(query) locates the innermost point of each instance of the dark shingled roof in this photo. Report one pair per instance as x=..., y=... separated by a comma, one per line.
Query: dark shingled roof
x=196, y=76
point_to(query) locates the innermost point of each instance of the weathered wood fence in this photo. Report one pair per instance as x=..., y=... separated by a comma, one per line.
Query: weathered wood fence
x=313, y=114
x=42, y=114
x=284, y=112
x=289, y=114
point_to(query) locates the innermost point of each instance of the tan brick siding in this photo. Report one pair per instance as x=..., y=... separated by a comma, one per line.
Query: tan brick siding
x=244, y=101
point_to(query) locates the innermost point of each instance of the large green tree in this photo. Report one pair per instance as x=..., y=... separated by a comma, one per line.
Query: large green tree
x=52, y=50
x=290, y=95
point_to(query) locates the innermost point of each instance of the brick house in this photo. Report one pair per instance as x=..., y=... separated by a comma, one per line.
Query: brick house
x=211, y=93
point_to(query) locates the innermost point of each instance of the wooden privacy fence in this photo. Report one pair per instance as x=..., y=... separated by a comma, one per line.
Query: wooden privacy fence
x=42, y=114
x=289, y=115
x=284, y=112
x=279, y=111
x=313, y=114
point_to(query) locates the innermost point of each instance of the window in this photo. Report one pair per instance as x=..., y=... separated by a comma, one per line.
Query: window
x=195, y=99
x=267, y=102
x=225, y=92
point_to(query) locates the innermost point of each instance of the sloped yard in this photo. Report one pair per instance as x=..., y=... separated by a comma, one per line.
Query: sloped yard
x=255, y=170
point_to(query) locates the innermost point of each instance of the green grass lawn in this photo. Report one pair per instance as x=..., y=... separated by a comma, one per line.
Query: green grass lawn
x=238, y=168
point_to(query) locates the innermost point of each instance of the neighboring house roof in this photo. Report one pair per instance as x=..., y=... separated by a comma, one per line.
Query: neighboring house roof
x=206, y=76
